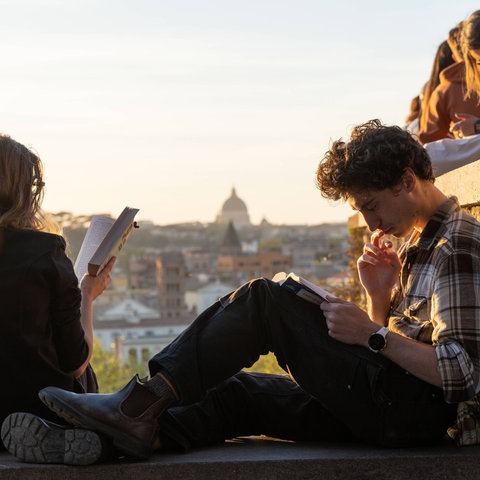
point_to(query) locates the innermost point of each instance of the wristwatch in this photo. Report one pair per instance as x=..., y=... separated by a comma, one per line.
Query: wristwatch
x=476, y=127
x=378, y=341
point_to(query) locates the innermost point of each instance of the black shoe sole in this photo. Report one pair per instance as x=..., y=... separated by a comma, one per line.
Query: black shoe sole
x=35, y=440
x=125, y=443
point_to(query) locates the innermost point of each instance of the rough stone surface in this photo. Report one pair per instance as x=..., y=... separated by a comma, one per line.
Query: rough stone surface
x=462, y=182
x=256, y=458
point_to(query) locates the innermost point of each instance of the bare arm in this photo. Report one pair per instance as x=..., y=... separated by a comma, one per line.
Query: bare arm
x=415, y=357
x=91, y=288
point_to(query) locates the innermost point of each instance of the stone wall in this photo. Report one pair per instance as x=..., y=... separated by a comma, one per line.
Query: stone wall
x=463, y=182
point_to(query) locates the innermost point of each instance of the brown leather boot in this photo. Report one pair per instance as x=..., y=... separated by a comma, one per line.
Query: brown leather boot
x=129, y=416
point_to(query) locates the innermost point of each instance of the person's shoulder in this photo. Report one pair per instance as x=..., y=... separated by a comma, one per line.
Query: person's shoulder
x=454, y=73
x=464, y=231
x=38, y=238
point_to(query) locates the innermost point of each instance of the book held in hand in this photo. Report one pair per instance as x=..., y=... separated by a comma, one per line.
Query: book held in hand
x=301, y=287
x=104, y=239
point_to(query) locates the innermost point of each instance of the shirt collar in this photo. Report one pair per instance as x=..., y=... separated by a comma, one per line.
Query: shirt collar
x=436, y=226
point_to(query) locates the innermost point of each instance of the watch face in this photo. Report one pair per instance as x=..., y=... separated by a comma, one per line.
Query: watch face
x=376, y=342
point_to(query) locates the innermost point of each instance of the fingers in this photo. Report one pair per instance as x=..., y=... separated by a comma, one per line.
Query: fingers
x=333, y=299
x=456, y=131
x=376, y=237
x=94, y=286
x=372, y=253
x=108, y=267
x=329, y=316
x=465, y=126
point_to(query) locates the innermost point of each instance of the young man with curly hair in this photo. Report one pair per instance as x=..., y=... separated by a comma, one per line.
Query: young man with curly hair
x=404, y=372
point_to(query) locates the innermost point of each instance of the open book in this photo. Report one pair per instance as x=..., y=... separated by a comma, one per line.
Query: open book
x=301, y=287
x=104, y=239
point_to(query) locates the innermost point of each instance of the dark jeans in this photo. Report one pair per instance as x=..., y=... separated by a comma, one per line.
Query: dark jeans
x=339, y=391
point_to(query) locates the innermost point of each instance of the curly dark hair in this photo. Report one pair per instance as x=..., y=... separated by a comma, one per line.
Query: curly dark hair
x=376, y=158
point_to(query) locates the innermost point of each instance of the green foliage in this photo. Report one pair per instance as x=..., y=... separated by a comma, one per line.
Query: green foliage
x=111, y=375
x=267, y=364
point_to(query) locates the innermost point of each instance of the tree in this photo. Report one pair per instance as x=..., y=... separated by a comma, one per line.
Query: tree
x=111, y=375
x=267, y=364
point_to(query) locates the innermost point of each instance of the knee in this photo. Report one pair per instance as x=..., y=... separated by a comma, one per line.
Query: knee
x=253, y=286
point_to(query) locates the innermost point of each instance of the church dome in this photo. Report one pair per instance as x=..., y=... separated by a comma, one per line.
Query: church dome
x=234, y=210
x=234, y=203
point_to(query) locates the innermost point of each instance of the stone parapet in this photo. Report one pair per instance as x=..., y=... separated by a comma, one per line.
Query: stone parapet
x=256, y=458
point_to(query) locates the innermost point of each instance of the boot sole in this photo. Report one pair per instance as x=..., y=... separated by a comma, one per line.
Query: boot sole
x=122, y=441
x=34, y=440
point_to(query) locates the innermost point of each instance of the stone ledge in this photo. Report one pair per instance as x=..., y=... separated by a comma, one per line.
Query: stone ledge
x=256, y=458
x=464, y=182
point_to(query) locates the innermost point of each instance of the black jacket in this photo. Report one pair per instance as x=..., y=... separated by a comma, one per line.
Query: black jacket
x=41, y=338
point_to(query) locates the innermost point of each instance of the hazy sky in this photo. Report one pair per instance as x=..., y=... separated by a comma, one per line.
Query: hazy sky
x=165, y=105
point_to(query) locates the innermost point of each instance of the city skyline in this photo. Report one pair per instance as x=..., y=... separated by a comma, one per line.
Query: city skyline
x=165, y=106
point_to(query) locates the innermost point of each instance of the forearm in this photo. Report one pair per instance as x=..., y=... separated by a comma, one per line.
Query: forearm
x=415, y=357
x=91, y=288
x=378, y=307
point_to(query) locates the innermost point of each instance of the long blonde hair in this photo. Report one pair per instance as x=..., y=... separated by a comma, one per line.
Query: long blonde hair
x=21, y=188
x=471, y=41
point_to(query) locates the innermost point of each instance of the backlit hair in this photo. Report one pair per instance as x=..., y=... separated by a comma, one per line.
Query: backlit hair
x=471, y=41
x=376, y=158
x=21, y=187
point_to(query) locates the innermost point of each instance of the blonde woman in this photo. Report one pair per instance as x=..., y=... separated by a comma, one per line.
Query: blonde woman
x=46, y=333
x=469, y=124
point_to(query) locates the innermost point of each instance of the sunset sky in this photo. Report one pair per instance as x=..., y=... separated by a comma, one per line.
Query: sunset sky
x=165, y=105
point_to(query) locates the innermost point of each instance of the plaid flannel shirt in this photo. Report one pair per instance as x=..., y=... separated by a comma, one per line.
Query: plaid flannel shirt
x=438, y=302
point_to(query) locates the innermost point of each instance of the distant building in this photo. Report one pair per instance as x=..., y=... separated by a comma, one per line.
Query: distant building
x=231, y=244
x=234, y=210
x=211, y=293
x=141, y=270
x=235, y=265
x=245, y=267
x=134, y=331
x=171, y=284
x=199, y=262
x=127, y=318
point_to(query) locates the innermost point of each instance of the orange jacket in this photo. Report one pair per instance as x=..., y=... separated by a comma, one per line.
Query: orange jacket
x=447, y=100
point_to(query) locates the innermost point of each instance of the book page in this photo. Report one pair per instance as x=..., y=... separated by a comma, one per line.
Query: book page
x=98, y=229
x=313, y=286
x=302, y=287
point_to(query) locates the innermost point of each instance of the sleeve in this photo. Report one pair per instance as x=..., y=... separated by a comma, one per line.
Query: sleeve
x=456, y=310
x=67, y=330
x=437, y=123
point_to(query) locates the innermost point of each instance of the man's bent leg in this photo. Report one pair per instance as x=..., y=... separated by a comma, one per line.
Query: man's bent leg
x=251, y=403
x=257, y=318
x=379, y=402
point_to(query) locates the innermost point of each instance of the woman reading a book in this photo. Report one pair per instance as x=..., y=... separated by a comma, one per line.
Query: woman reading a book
x=46, y=332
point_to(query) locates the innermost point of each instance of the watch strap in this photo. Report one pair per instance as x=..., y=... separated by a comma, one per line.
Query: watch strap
x=383, y=333
x=476, y=127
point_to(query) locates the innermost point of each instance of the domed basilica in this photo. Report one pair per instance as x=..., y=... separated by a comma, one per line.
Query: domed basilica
x=234, y=210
